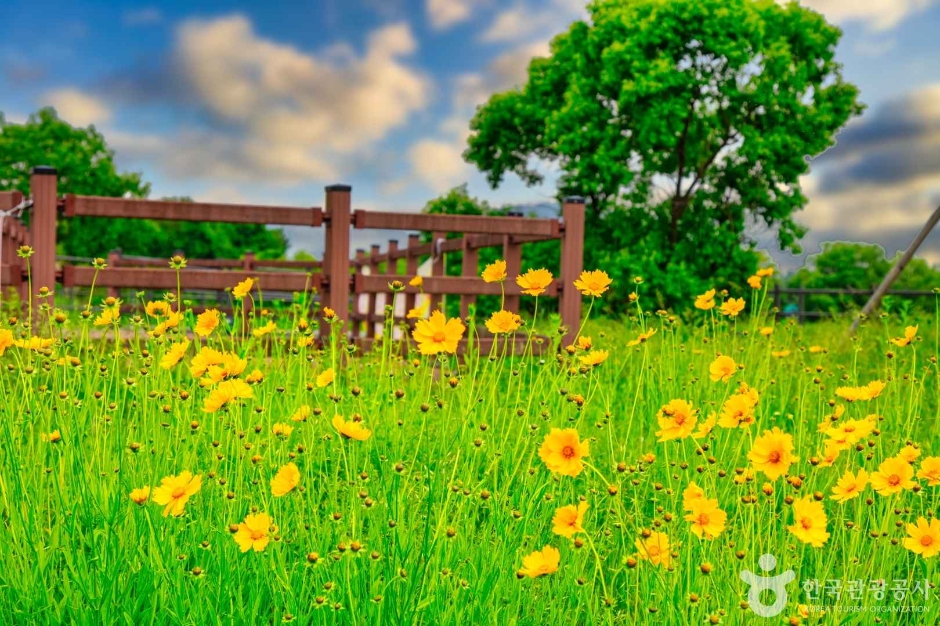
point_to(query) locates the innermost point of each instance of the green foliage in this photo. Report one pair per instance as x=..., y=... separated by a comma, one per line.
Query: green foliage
x=86, y=166
x=681, y=122
x=845, y=265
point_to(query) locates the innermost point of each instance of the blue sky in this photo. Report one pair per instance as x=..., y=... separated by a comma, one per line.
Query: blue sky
x=269, y=102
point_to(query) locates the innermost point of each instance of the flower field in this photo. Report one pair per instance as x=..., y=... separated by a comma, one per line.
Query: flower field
x=159, y=466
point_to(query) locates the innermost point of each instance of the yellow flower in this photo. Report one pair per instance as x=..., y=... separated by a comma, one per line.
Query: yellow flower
x=708, y=520
x=264, y=330
x=227, y=392
x=866, y=392
x=325, y=378
x=140, y=495
x=909, y=334
x=175, y=354
x=243, y=288
x=641, y=338
x=172, y=320
x=584, y=343
x=738, y=410
x=654, y=549
x=438, y=334
x=253, y=533
x=419, y=312
x=772, y=453
x=676, y=420
x=706, y=301
x=594, y=357
x=495, y=272
x=417, y=281
x=732, y=306
x=351, y=429
x=765, y=272
x=53, y=437
x=301, y=414
x=534, y=282
x=34, y=343
x=230, y=365
x=704, y=428
x=157, y=309
x=849, y=432
x=593, y=283
x=206, y=322
x=779, y=354
x=766, y=331
x=894, y=475
x=850, y=486
x=690, y=495
x=809, y=522
x=909, y=453
x=722, y=368
x=286, y=479
x=930, y=471
x=568, y=520
x=816, y=349
x=282, y=430
x=562, y=451
x=754, y=282
x=174, y=492
x=503, y=322
x=109, y=316
x=256, y=376
x=923, y=538
x=541, y=562
x=6, y=340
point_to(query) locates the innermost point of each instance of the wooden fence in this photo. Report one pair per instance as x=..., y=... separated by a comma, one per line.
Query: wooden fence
x=796, y=298
x=337, y=279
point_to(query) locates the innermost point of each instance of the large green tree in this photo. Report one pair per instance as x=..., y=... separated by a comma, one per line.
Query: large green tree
x=683, y=122
x=86, y=166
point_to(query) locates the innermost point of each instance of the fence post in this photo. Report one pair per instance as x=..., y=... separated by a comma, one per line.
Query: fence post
x=469, y=267
x=572, y=262
x=356, y=315
x=373, y=297
x=10, y=243
x=43, y=183
x=391, y=267
x=248, y=261
x=336, y=254
x=411, y=268
x=512, y=254
x=438, y=267
x=114, y=259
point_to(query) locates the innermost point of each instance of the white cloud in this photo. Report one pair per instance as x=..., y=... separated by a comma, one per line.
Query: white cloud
x=523, y=22
x=146, y=16
x=877, y=15
x=438, y=164
x=437, y=161
x=76, y=107
x=446, y=13
x=283, y=114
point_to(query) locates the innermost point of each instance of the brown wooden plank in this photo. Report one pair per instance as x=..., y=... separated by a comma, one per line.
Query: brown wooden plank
x=572, y=262
x=439, y=285
x=97, y=206
x=483, y=224
x=212, y=280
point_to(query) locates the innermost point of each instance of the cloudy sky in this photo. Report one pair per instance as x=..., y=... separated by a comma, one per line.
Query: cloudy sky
x=268, y=102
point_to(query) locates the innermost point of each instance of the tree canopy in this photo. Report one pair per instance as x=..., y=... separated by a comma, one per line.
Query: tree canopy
x=86, y=166
x=683, y=122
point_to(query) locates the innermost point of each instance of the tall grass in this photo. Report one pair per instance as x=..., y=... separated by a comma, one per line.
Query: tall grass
x=428, y=520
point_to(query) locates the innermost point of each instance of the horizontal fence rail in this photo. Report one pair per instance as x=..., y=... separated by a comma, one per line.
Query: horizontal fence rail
x=356, y=286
